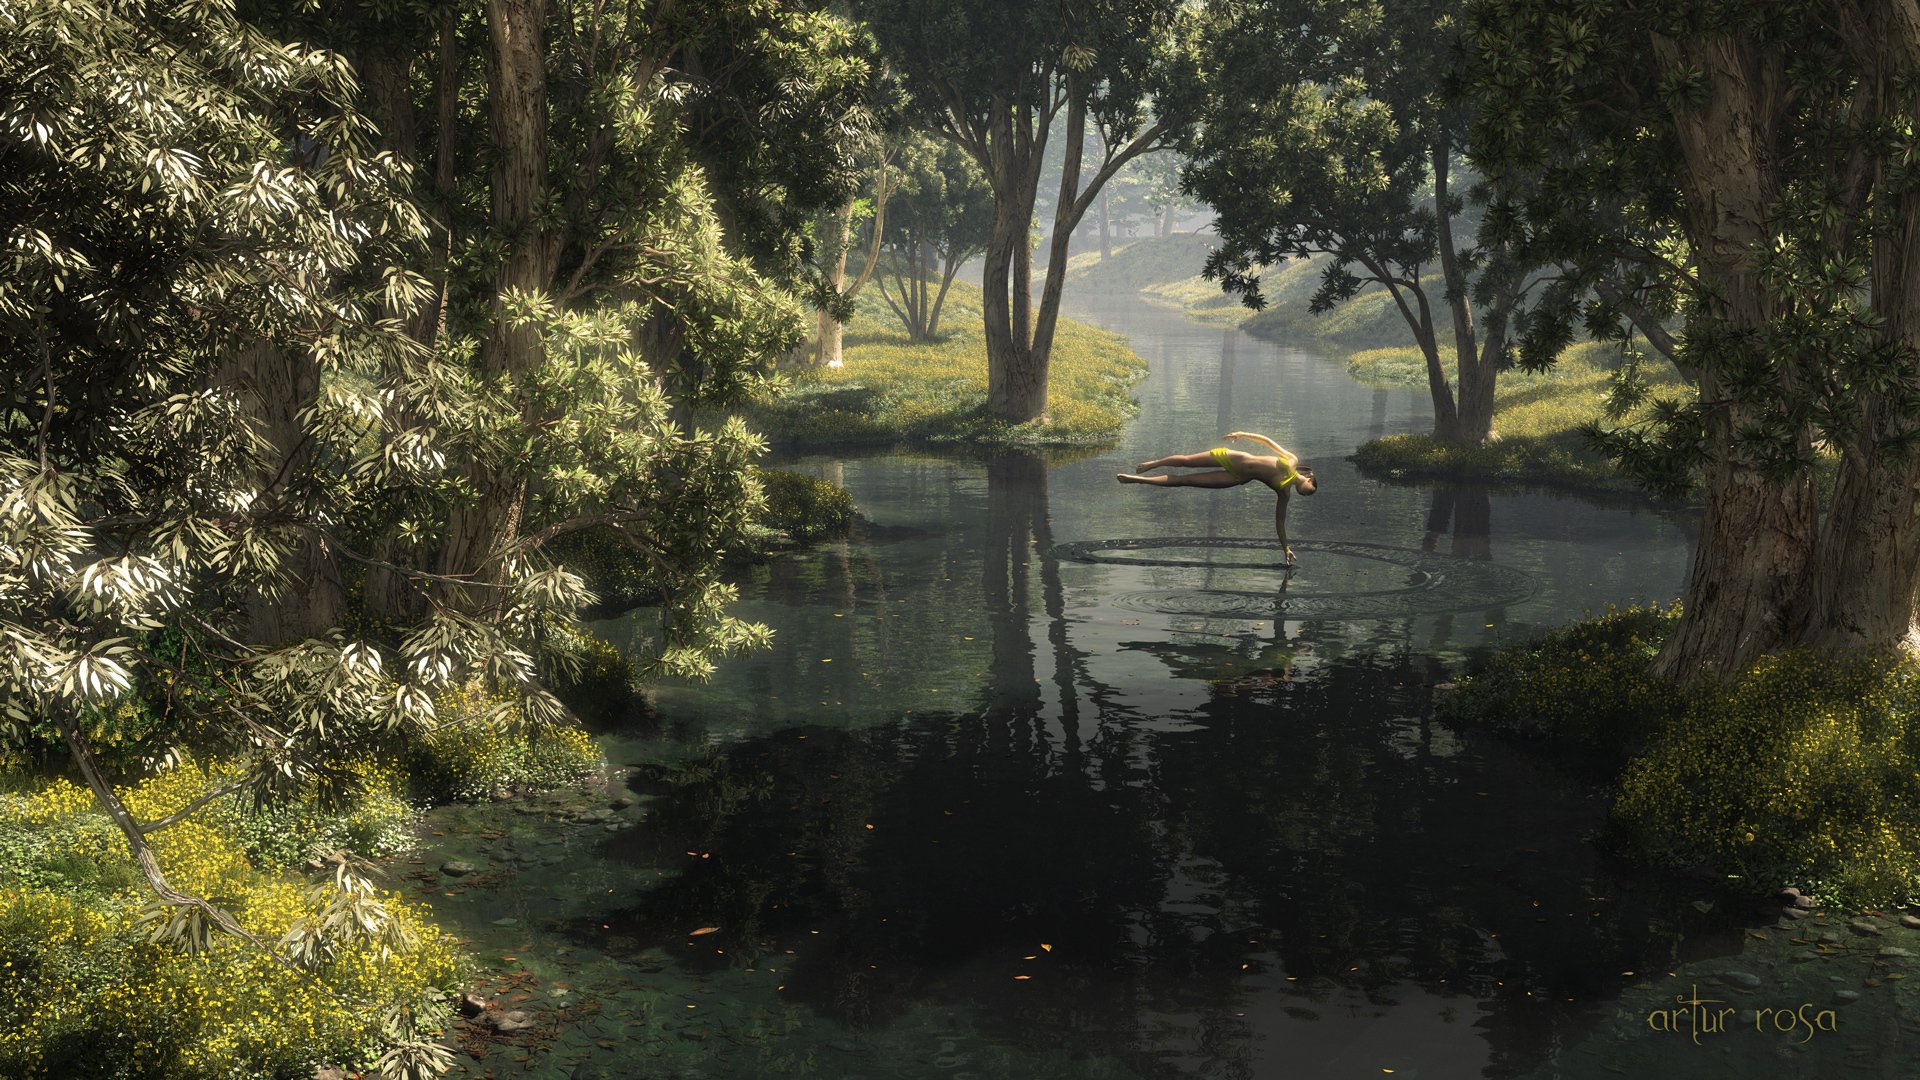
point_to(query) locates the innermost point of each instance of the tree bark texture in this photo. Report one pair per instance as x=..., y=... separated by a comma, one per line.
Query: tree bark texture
x=1749, y=576
x=517, y=112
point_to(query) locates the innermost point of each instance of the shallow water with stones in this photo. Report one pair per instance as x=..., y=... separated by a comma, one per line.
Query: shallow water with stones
x=1017, y=794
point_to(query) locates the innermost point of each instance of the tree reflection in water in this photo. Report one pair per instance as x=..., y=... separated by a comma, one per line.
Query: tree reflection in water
x=1238, y=886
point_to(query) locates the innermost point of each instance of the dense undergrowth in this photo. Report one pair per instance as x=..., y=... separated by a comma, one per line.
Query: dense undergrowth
x=1803, y=770
x=92, y=990
x=798, y=509
x=892, y=389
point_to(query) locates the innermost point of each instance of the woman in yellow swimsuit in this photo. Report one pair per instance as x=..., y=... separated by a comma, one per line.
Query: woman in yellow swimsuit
x=1282, y=472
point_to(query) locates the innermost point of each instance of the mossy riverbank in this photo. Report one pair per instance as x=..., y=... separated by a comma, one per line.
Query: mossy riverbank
x=95, y=987
x=1802, y=772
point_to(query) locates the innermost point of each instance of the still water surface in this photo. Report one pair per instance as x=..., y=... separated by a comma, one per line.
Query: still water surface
x=989, y=809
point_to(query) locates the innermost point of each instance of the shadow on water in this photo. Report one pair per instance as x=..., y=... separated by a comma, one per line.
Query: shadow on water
x=985, y=811
x=1299, y=867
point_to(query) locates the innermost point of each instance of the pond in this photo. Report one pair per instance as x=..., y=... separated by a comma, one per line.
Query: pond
x=1049, y=776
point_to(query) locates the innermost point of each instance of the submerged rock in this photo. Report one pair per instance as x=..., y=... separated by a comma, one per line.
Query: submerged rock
x=1742, y=979
x=510, y=1021
x=457, y=868
x=1863, y=927
x=472, y=1004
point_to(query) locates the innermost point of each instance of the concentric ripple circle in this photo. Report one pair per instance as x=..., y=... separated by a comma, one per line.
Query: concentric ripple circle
x=1431, y=582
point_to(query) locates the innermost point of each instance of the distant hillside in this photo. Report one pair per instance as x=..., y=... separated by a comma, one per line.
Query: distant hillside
x=1138, y=264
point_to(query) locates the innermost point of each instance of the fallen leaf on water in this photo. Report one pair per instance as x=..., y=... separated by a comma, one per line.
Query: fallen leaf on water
x=1023, y=977
x=703, y=930
x=1044, y=947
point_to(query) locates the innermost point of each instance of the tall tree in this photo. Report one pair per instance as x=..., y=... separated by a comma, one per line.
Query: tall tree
x=198, y=319
x=1769, y=136
x=994, y=77
x=1322, y=127
x=654, y=164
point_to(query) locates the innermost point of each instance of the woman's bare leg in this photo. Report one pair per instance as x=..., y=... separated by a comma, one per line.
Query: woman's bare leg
x=1179, y=461
x=1217, y=478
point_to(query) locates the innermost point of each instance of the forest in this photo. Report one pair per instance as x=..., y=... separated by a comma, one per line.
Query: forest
x=450, y=446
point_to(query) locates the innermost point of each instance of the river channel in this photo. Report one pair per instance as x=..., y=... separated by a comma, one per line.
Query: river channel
x=1046, y=776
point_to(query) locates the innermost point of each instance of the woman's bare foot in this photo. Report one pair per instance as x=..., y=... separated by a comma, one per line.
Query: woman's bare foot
x=1129, y=478
x=1149, y=466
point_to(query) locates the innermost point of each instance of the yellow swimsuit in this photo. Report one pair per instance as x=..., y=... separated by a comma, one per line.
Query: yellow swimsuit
x=1224, y=457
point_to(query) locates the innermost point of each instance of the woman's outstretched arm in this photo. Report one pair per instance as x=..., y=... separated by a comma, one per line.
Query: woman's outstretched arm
x=1285, y=454
x=1280, y=521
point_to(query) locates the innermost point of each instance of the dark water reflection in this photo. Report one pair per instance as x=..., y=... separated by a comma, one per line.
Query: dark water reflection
x=986, y=812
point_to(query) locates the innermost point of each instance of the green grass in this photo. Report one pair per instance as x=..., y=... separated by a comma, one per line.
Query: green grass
x=895, y=390
x=1536, y=420
x=1369, y=320
x=1139, y=264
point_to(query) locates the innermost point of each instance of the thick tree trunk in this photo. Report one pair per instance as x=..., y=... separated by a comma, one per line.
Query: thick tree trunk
x=1014, y=390
x=1863, y=589
x=1749, y=573
x=1749, y=580
x=1866, y=586
x=477, y=534
x=277, y=385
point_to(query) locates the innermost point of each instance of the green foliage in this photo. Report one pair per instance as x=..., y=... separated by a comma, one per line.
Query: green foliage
x=1803, y=770
x=91, y=991
x=486, y=744
x=805, y=507
x=893, y=390
x=1584, y=685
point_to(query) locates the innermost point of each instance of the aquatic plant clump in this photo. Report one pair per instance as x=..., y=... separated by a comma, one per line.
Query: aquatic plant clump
x=1584, y=685
x=805, y=507
x=485, y=746
x=1803, y=770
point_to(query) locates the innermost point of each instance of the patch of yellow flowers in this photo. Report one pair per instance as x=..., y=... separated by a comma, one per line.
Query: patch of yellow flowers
x=1805, y=770
x=81, y=981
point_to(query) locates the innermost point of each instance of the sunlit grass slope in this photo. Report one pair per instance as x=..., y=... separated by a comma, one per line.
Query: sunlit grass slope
x=895, y=390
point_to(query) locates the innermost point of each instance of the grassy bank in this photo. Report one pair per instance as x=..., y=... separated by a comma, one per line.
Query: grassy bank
x=1537, y=417
x=894, y=390
x=1802, y=771
x=1537, y=420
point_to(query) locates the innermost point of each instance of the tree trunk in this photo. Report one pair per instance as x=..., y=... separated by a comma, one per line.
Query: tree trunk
x=1863, y=588
x=1014, y=392
x=1866, y=585
x=827, y=353
x=1750, y=570
x=827, y=349
x=277, y=386
x=479, y=533
x=947, y=274
x=1472, y=414
x=1166, y=222
x=1106, y=228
